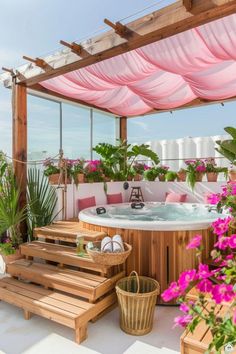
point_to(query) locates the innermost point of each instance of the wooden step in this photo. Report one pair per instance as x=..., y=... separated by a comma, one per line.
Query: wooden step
x=67, y=231
x=57, y=307
x=64, y=255
x=86, y=285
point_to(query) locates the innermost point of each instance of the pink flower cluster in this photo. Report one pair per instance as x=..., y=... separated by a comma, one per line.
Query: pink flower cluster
x=221, y=226
x=93, y=166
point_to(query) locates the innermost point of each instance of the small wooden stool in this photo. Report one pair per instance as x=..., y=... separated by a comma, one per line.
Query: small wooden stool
x=136, y=195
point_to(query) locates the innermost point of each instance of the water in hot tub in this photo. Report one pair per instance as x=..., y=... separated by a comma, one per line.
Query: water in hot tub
x=162, y=212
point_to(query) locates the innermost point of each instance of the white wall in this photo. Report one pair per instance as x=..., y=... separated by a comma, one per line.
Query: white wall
x=152, y=191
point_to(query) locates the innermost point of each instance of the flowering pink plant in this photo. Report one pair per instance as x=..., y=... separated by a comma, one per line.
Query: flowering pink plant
x=194, y=169
x=216, y=284
x=93, y=170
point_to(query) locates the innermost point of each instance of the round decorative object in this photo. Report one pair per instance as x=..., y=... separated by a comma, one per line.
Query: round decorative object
x=126, y=185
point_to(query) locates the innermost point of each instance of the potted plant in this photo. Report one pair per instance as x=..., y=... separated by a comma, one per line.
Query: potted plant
x=121, y=158
x=182, y=175
x=11, y=216
x=55, y=174
x=150, y=174
x=139, y=169
x=214, y=286
x=162, y=171
x=195, y=171
x=171, y=176
x=93, y=171
x=232, y=174
x=211, y=169
x=77, y=171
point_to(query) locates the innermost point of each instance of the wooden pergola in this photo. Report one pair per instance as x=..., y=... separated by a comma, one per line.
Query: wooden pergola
x=121, y=38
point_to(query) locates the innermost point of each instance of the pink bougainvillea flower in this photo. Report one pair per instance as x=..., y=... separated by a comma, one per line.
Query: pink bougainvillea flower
x=222, y=243
x=232, y=241
x=203, y=271
x=184, y=307
x=223, y=292
x=201, y=168
x=172, y=292
x=182, y=321
x=221, y=226
x=195, y=242
x=204, y=286
x=213, y=198
x=186, y=278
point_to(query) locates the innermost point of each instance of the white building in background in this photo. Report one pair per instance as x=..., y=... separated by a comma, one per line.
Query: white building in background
x=174, y=152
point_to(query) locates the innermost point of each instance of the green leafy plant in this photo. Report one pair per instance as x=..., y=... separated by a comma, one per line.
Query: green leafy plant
x=7, y=248
x=227, y=148
x=42, y=200
x=170, y=176
x=120, y=158
x=11, y=216
x=151, y=174
x=195, y=170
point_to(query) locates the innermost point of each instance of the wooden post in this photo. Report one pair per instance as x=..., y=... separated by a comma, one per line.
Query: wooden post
x=19, y=142
x=123, y=128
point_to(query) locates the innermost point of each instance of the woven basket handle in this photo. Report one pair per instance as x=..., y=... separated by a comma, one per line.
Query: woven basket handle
x=137, y=277
x=112, y=241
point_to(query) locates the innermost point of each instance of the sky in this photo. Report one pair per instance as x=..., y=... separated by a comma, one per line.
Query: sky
x=34, y=28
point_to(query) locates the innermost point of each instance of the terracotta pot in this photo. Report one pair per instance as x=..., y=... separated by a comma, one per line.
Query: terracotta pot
x=232, y=175
x=181, y=176
x=106, y=179
x=79, y=178
x=138, y=178
x=129, y=178
x=55, y=178
x=199, y=176
x=11, y=257
x=162, y=178
x=212, y=176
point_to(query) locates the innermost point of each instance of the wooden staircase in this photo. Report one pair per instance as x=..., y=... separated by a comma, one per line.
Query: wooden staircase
x=71, y=291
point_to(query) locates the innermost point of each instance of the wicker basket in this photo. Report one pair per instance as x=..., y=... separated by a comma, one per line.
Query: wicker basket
x=109, y=259
x=137, y=299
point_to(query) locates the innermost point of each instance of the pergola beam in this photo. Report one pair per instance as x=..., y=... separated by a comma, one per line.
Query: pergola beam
x=151, y=28
x=187, y=4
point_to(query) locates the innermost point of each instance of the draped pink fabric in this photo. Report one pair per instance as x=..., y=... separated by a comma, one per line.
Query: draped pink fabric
x=169, y=73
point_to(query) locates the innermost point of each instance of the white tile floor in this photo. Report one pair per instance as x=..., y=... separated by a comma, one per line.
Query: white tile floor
x=41, y=336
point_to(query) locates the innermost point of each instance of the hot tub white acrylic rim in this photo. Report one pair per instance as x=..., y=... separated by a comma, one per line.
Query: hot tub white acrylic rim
x=87, y=217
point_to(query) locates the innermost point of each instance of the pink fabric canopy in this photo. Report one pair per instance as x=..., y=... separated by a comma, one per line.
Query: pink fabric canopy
x=169, y=73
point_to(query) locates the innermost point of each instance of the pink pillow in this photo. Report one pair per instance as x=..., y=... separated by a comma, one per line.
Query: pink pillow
x=114, y=198
x=172, y=197
x=86, y=203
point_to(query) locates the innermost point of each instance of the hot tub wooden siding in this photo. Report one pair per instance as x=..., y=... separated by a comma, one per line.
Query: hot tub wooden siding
x=161, y=255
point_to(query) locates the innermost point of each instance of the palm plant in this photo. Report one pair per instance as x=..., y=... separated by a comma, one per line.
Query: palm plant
x=42, y=200
x=10, y=215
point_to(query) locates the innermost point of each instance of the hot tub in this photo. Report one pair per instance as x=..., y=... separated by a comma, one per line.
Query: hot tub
x=153, y=216
x=159, y=234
